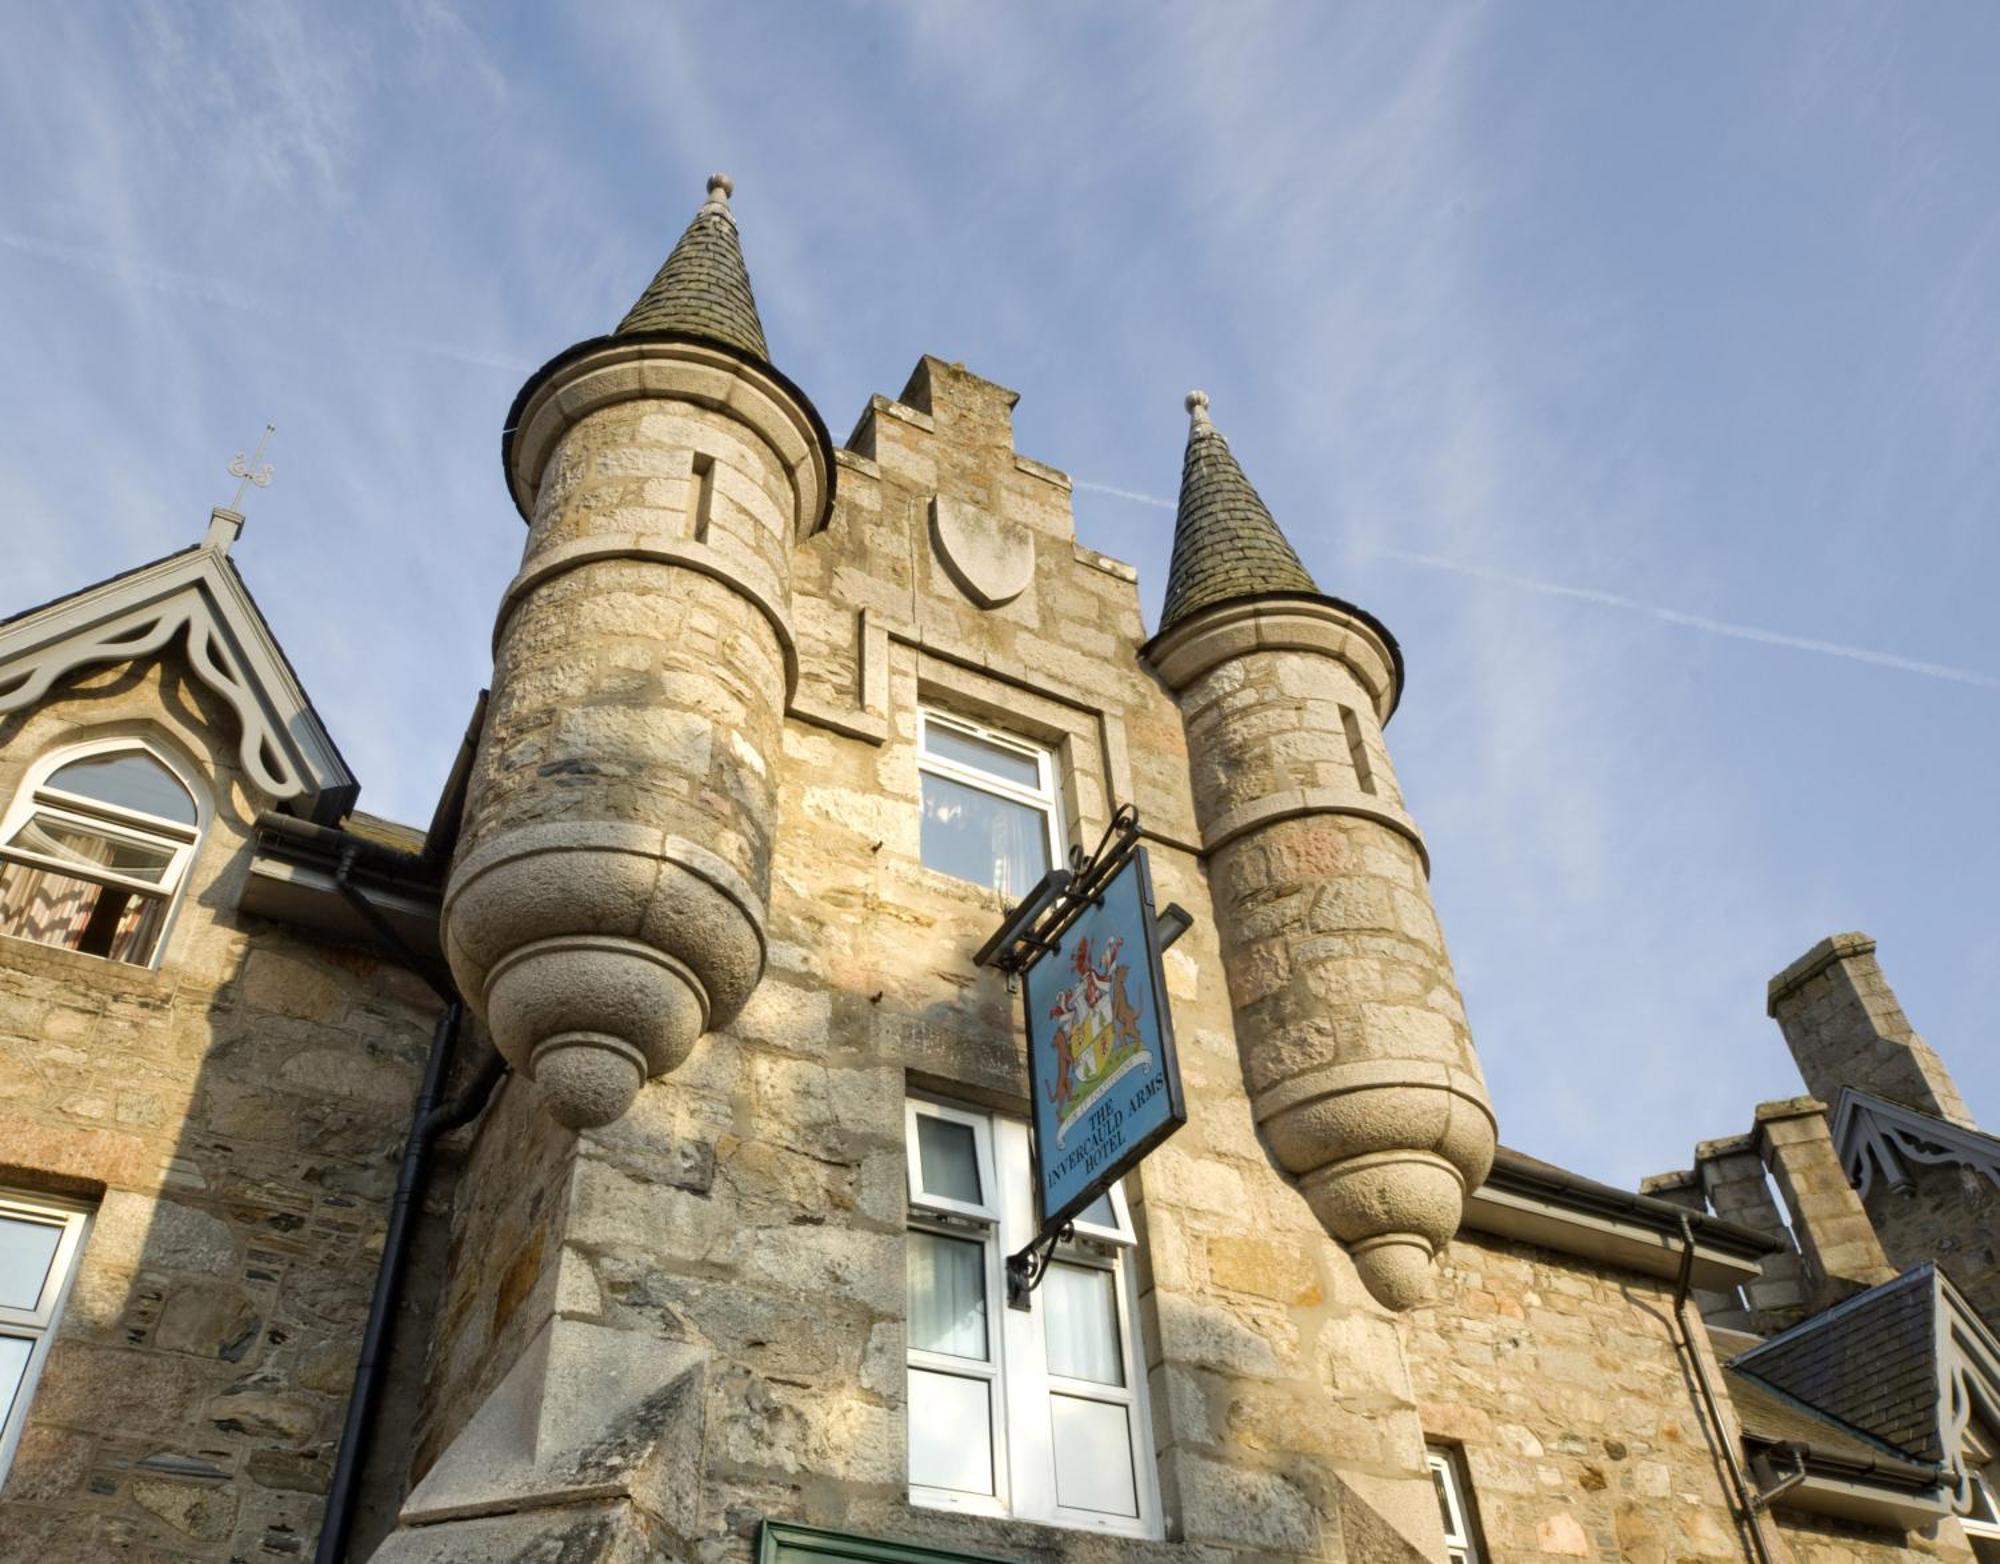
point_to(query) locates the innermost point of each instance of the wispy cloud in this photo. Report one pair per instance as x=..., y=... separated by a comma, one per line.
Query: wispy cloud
x=225, y=293
x=1435, y=312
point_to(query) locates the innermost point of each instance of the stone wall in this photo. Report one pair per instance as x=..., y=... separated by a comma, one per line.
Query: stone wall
x=740, y=1233
x=1580, y=1423
x=509, y=1196
x=1818, y=1539
x=1576, y=1413
x=1950, y=1214
x=237, y=1115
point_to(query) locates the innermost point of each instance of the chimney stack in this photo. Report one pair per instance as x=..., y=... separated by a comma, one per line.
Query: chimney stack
x=1841, y=1020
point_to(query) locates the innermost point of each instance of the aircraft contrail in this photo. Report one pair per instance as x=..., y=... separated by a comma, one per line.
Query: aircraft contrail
x=1675, y=616
x=1632, y=605
x=1123, y=494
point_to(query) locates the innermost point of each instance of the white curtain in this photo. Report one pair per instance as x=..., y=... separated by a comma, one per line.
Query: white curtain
x=947, y=1280
x=1080, y=1315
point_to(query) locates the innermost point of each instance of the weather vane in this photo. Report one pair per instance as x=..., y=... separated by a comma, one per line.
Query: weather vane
x=249, y=470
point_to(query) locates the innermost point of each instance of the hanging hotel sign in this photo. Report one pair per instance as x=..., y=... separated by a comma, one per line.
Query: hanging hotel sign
x=1086, y=945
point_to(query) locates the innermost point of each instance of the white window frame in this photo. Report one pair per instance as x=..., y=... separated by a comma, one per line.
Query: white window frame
x=1120, y=1235
x=958, y=1219
x=1023, y=1440
x=36, y=797
x=987, y=1210
x=38, y=1324
x=1980, y=1493
x=1045, y=796
x=1460, y=1545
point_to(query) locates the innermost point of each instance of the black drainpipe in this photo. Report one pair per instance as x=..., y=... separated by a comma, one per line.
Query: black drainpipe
x=428, y=1122
x=1745, y=1507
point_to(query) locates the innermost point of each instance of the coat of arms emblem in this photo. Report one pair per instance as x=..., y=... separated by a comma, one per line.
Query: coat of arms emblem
x=1097, y=1037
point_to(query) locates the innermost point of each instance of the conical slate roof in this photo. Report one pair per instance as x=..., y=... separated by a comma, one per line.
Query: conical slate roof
x=704, y=289
x=1225, y=543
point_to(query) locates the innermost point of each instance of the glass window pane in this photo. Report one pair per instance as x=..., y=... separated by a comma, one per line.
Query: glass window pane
x=1080, y=1318
x=1099, y=1212
x=996, y=759
x=983, y=838
x=99, y=920
x=1440, y=1482
x=1093, y=1441
x=131, y=781
x=951, y=1432
x=948, y=1159
x=27, y=1249
x=14, y=1351
x=947, y=1281
x=79, y=844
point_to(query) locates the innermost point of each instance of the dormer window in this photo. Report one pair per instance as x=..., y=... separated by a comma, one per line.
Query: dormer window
x=95, y=850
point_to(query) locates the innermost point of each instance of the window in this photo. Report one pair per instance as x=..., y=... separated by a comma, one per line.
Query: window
x=1981, y=1521
x=1041, y=1413
x=1453, y=1491
x=39, y=1240
x=989, y=805
x=95, y=850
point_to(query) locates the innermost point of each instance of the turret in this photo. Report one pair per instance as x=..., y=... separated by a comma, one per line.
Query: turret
x=607, y=903
x=1352, y=1037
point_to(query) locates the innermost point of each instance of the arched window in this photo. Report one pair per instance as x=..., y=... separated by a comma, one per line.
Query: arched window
x=95, y=850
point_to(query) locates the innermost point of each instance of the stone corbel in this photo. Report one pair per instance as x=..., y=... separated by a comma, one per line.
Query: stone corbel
x=598, y=953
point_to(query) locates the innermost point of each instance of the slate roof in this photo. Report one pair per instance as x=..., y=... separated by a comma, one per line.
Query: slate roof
x=1770, y=1416
x=1870, y=1362
x=704, y=288
x=383, y=832
x=1226, y=545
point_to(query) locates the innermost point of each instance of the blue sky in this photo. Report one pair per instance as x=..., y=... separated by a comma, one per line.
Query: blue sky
x=1643, y=375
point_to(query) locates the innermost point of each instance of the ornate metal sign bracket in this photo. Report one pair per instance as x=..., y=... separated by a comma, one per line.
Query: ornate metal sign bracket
x=1037, y=923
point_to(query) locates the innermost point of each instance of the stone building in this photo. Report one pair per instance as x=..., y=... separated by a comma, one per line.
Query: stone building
x=622, y=1166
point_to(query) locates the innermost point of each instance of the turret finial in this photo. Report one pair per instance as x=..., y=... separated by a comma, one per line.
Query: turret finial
x=1226, y=545
x=703, y=289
